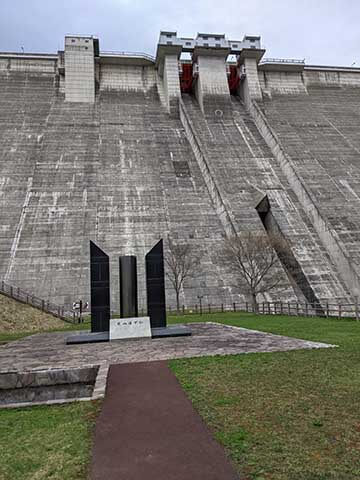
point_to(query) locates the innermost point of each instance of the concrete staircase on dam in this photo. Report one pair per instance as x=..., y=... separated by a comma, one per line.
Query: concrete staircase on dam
x=119, y=172
x=240, y=171
x=319, y=146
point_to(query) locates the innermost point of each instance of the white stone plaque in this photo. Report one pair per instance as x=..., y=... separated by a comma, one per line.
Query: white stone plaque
x=135, y=327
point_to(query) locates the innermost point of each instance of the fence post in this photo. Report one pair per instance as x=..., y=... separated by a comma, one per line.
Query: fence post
x=222, y=308
x=281, y=307
x=2, y=285
x=327, y=309
x=11, y=291
x=42, y=305
x=209, y=308
x=196, y=308
x=247, y=307
x=268, y=304
x=234, y=307
x=289, y=309
x=297, y=309
x=27, y=298
x=18, y=292
x=263, y=308
x=275, y=311
x=339, y=311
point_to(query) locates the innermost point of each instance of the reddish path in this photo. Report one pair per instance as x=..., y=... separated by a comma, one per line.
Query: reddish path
x=148, y=430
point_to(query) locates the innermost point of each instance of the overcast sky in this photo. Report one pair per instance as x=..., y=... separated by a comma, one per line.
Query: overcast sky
x=321, y=31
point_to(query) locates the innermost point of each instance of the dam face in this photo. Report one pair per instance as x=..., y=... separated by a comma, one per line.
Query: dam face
x=125, y=149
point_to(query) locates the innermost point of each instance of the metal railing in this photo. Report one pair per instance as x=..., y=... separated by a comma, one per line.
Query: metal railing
x=283, y=60
x=44, y=305
x=325, y=310
x=128, y=54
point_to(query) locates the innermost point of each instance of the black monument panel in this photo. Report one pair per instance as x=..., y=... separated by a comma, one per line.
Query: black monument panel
x=128, y=286
x=100, y=289
x=155, y=286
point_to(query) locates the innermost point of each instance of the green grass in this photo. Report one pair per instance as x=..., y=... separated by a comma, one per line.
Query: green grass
x=18, y=320
x=47, y=442
x=283, y=416
x=280, y=416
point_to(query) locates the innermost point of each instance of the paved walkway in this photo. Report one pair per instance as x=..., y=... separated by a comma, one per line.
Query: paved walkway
x=148, y=430
x=49, y=350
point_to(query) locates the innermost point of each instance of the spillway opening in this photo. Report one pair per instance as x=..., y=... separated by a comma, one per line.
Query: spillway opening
x=287, y=258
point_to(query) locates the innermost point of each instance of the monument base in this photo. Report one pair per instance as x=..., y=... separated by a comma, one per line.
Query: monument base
x=171, y=331
x=134, y=327
x=160, y=332
x=93, y=337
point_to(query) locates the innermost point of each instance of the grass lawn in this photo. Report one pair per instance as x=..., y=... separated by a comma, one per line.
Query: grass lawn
x=283, y=416
x=47, y=442
x=19, y=320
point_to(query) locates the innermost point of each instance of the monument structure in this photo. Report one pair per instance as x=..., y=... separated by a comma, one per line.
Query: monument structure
x=206, y=139
x=129, y=325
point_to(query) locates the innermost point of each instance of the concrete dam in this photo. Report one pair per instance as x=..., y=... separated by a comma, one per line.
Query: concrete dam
x=205, y=140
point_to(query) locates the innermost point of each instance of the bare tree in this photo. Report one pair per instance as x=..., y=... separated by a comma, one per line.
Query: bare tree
x=181, y=261
x=253, y=258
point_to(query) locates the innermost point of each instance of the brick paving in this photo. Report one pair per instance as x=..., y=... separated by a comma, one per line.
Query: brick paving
x=48, y=350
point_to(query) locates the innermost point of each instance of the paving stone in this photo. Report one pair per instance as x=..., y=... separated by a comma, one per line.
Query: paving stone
x=49, y=350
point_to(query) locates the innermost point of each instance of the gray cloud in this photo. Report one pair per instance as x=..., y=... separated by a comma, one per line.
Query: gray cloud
x=321, y=31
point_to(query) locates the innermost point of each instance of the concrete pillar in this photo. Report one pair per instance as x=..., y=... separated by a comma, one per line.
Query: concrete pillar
x=249, y=88
x=211, y=88
x=167, y=58
x=80, y=68
x=171, y=83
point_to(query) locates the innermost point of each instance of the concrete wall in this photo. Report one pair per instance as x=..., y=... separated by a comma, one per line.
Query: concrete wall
x=123, y=173
x=296, y=83
x=23, y=64
x=79, y=69
x=119, y=172
x=171, y=84
x=249, y=88
x=331, y=78
x=239, y=171
x=315, y=139
x=127, y=77
x=232, y=172
x=282, y=83
x=212, y=88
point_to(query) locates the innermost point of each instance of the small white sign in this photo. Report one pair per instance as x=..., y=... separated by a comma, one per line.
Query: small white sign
x=135, y=327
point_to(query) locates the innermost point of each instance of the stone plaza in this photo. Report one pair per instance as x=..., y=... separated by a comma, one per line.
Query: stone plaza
x=48, y=353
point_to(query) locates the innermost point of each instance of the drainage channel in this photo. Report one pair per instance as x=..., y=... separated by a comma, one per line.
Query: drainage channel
x=52, y=386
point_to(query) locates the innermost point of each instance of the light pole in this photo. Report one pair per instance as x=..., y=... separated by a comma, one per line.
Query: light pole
x=200, y=297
